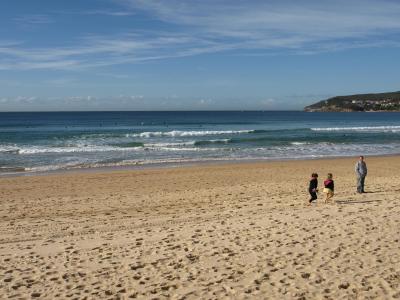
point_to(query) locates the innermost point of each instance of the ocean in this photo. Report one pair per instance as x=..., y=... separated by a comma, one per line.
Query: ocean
x=46, y=141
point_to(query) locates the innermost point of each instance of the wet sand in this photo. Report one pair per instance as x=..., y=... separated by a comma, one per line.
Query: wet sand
x=231, y=231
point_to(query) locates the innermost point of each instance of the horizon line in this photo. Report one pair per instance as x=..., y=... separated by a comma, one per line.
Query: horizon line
x=215, y=110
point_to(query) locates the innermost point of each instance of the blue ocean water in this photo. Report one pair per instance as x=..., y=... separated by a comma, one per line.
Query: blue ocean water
x=43, y=141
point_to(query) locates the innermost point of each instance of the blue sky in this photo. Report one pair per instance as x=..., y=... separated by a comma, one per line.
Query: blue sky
x=194, y=55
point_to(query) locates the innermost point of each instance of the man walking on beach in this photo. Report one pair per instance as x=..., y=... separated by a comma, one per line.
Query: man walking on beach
x=361, y=171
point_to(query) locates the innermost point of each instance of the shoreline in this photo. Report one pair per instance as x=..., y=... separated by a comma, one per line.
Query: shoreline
x=172, y=165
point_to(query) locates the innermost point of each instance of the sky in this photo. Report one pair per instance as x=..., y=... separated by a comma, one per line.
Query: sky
x=194, y=55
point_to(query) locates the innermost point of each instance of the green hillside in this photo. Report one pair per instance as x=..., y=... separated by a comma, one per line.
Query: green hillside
x=359, y=102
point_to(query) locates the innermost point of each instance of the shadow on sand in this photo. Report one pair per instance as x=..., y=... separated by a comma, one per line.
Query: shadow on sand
x=356, y=201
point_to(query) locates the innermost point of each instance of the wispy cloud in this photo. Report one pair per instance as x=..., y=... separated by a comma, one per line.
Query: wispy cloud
x=201, y=27
x=87, y=102
x=146, y=102
x=299, y=27
x=113, y=13
x=33, y=19
x=322, y=19
x=105, y=51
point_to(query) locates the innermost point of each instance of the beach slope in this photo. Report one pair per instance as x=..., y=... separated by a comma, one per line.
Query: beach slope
x=237, y=231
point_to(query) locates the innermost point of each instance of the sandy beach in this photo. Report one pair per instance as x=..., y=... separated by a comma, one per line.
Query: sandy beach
x=232, y=231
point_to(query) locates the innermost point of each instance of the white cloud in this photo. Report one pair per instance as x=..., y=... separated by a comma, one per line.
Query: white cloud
x=201, y=27
x=142, y=102
x=98, y=51
x=264, y=19
x=113, y=13
x=88, y=102
x=293, y=25
x=33, y=19
x=205, y=101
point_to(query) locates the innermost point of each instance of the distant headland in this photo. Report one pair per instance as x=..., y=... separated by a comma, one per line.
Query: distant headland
x=359, y=102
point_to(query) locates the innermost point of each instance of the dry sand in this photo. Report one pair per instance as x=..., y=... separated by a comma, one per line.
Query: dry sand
x=239, y=231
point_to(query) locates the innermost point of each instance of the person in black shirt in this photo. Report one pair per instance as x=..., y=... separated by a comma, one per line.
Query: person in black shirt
x=313, y=187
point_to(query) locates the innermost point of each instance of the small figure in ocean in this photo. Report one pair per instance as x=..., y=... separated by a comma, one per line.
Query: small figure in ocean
x=313, y=187
x=329, y=187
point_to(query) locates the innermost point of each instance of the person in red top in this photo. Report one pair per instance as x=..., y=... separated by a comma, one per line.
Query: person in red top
x=329, y=187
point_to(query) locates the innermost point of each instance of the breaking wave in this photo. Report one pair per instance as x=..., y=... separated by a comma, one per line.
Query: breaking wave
x=179, y=133
x=361, y=128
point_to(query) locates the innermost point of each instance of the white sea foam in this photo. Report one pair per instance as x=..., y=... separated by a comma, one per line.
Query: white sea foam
x=164, y=161
x=179, y=133
x=300, y=143
x=304, y=151
x=9, y=149
x=123, y=163
x=361, y=128
x=158, y=145
x=48, y=168
x=78, y=147
x=38, y=150
x=147, y=147
x=223, y=141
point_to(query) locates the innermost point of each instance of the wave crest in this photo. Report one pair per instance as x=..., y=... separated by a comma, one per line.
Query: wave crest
x=361, y=128
x=179, y=133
